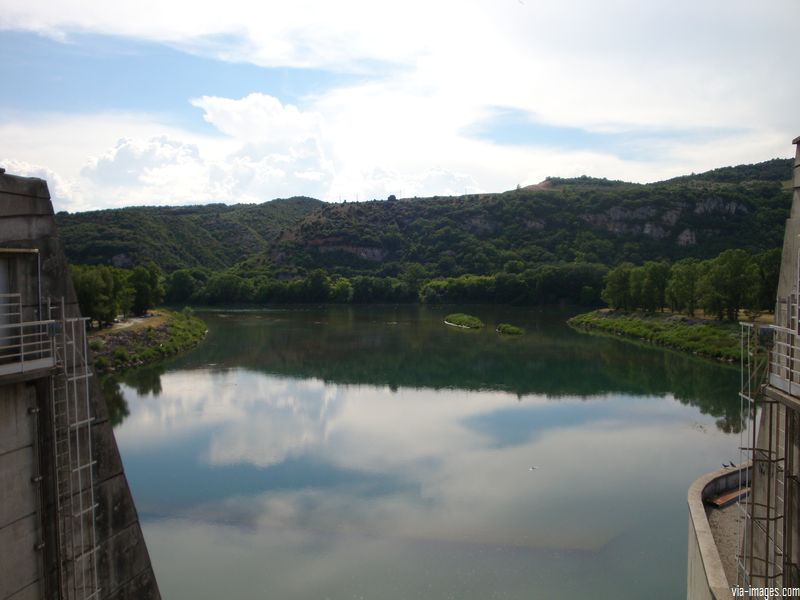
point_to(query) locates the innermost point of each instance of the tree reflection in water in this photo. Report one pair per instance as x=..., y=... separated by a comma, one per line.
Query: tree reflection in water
x=409, y=347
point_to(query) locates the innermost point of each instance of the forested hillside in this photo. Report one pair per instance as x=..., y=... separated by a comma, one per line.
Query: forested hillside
x=560, y=220
x=214, y=236
x=581, y=220
x=548, y=243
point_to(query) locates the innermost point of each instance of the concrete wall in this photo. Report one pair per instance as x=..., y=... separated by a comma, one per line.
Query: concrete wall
x=124, y=570
x=20, y=530
x=791, y=242
x=774, y=422
x=706, y=578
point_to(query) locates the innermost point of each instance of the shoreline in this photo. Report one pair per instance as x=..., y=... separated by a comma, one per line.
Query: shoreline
x=708, y=339
x=145, y=341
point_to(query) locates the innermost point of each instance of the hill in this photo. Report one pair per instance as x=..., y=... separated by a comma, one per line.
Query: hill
x=561, y=220
x=581, y=219
x=214, y=236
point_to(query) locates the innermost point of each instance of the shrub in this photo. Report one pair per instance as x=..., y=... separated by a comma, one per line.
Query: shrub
x=508, y=329
x=462, y=320
x=121, y=355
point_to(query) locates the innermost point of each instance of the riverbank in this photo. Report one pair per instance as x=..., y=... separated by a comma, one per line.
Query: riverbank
x=711, y=339
x=145, y=340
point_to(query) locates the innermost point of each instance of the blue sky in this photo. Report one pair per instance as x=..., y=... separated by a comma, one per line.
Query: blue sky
x=159, y=102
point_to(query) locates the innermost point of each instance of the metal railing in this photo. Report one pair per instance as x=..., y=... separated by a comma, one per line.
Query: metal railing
x=784, y=363
x=784, y=360
x=24, y=345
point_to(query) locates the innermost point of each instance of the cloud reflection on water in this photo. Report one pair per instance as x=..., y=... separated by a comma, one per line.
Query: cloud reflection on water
x=428, y=467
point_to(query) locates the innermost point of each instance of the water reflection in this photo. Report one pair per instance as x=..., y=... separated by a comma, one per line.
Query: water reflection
x=409, y=347
x=115, y=401
x=287, y=476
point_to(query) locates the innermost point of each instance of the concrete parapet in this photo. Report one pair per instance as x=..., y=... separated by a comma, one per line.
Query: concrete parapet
x=706, y=576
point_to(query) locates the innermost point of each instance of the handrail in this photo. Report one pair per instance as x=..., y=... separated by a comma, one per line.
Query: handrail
x=24, y=345
x=784, y=357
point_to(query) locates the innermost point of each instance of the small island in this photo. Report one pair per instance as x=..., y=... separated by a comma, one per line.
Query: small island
x=463, y=321
x=509, y=329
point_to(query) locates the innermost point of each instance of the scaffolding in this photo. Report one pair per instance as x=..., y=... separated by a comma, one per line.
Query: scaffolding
x=770, y=399
x=74, y=460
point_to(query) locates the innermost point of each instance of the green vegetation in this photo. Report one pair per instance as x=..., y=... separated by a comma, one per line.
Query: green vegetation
x=138, y=345
x=704, y=338
x=508, y=329
x=214, y=236
x=462, y=320
x=721, y=286
x=550, y=243
x=107, y=292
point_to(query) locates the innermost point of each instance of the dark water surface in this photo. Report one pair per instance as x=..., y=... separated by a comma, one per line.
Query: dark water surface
x=345, y=453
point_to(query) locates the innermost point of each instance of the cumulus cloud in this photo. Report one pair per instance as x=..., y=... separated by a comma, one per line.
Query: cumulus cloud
x=133, y=161
x=429, y=75
x=259, y=118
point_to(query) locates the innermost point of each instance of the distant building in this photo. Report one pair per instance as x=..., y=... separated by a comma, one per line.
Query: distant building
x=68, y=526
x=756, y=543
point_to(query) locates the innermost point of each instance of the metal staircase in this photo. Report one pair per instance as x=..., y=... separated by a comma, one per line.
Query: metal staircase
x=74, y=460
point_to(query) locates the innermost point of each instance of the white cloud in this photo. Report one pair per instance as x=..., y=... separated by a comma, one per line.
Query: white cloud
x=133, y=161
x=619, y=66
x=259, y=118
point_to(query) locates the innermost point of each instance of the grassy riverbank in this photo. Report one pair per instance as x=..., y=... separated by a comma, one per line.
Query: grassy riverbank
x=712, y=339
x=146, y=340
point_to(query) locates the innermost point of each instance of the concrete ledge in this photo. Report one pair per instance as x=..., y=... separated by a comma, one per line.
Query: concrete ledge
x=14, y=205
x=707, y=578
x=24, y=186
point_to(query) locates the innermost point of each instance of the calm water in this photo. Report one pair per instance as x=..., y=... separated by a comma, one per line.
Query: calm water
x=375, y=453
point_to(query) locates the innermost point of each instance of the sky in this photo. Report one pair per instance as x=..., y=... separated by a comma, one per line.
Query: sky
x=173, y=102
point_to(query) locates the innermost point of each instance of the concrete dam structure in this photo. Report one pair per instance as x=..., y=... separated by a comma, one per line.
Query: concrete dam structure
x=68, y=525
x=754, y=545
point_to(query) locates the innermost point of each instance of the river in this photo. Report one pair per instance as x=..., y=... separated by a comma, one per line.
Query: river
x=375, y=453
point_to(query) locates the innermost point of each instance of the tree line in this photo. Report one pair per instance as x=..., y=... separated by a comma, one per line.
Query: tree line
x=574, y=283
x=105, y=292
x=720, y=286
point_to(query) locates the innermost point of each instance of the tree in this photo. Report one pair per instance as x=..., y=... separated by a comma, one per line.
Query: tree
x=227, y=287
x=148, y=290
x=682, y=288
x=729, y=284
x=617, y=292
x=181, y=286
x=656, y=276
x=101, y=290
x=637, y=289
x=341, y=290
x=768, y=264
x=317, y=286
x=142, y=298
x=156, y=286
x=412, y=276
